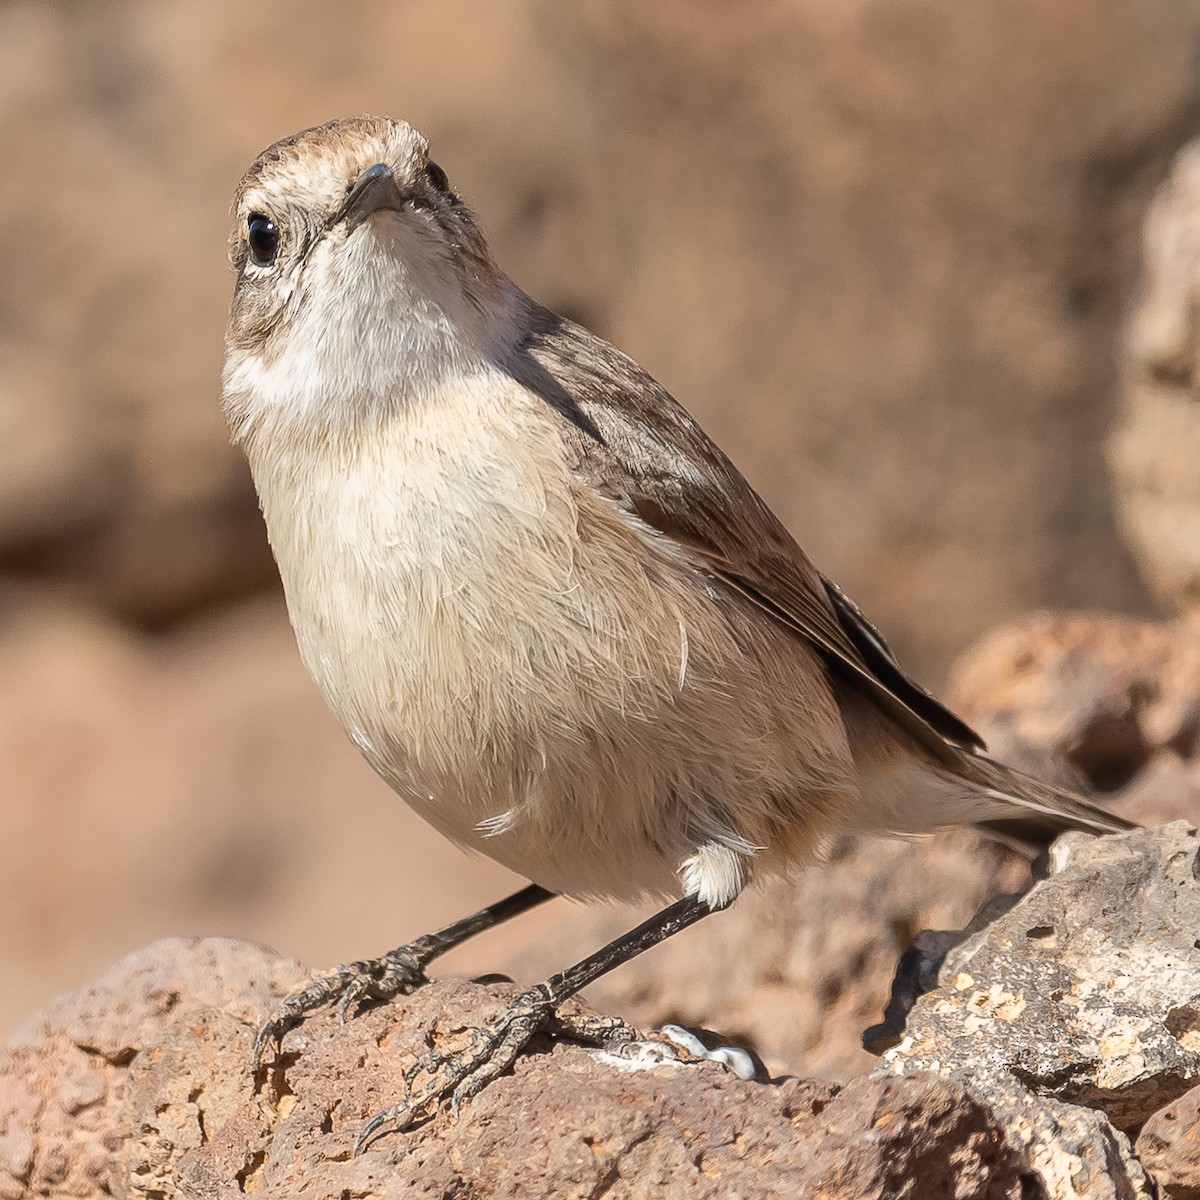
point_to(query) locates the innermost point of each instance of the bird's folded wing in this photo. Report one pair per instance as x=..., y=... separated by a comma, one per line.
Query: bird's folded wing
x=632, y=442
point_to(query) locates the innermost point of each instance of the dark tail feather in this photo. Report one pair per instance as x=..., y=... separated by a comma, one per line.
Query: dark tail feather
x=1040, y=812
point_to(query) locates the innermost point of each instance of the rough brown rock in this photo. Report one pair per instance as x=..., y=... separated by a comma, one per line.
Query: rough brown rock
x=1169, y=1146
x=138, y=1087
x=1073, y=1153
x=1091, y=698
x=1066, y=1019
x=1075, y=1011
x=1088, y=990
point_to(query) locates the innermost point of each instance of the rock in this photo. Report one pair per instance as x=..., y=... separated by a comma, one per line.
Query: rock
x=1092, y=701
x=1088, y=990
x=138, y=1086
x=64, y=1078
x=1059, y=1025
x=917, y=971
x=1101, y=693
x=1169, y=1146
x=1069, y=1152
x=1083, y=996
x=1155, y=447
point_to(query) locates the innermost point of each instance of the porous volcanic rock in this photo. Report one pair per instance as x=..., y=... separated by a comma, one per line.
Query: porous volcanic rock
x=1061, y=1024
x=1092, y=700
x=138, y=1086
x=1169, y=1147
x=1082, y=999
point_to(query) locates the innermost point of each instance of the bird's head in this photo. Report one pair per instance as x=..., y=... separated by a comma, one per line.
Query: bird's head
x=362, y=280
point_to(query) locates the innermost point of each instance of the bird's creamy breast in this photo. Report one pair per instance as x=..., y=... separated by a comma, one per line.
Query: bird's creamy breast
x=460, y=601
x=536, y=672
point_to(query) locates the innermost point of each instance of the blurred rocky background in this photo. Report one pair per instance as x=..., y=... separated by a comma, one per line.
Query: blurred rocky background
x=885, y=250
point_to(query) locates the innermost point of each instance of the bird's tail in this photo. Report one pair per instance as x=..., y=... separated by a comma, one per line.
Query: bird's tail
x=1029, y=810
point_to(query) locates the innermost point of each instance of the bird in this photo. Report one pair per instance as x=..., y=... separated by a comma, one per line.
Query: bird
x=544, y=605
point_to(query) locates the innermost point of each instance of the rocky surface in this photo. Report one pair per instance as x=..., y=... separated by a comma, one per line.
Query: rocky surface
x=1053, y=1035
x=1074, y=1015
x=1169, y=1147
x=1088, y=990
x=1090, y=699
x=138, y=1086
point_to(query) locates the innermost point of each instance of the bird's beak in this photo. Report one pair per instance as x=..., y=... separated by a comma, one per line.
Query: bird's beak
x=374, y=189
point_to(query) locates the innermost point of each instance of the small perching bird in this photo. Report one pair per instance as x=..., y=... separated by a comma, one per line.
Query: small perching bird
x=544, y=605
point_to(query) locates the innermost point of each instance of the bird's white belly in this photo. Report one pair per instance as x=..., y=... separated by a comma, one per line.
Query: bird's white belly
x=492, y=641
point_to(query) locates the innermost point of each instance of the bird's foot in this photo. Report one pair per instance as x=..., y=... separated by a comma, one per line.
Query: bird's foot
x=396, y=973
x=488, y=1053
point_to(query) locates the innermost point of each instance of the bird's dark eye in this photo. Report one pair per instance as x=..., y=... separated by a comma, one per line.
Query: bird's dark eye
x=263, y=236
x=437, y=176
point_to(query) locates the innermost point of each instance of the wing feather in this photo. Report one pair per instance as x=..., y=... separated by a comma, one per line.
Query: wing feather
x=633, y=442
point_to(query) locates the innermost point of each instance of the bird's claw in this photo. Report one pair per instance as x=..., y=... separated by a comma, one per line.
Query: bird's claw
x=268, y=1033
x=393, y=974
x=461, y=1075
x=354, y=989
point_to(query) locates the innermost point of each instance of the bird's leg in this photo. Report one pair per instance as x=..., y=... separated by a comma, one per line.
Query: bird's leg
x=392, y=974
x=490, y=1051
